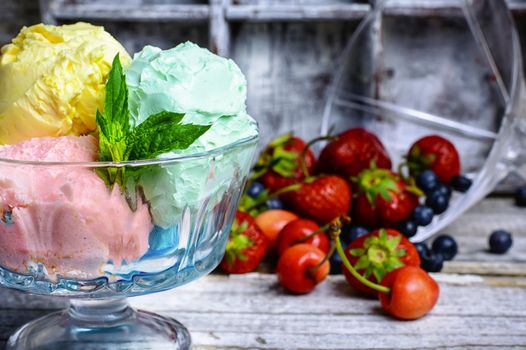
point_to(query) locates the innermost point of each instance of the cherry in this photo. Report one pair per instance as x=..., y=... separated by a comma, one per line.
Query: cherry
x=299, y=269
x=272, y=221
x=413, y=293
x=297, y=231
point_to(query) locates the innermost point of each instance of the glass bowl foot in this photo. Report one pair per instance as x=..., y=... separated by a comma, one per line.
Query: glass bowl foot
x=101, y=324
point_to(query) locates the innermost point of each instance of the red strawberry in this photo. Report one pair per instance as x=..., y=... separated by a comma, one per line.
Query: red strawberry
x=383, y=199
x=280, y=164
x=376, y=254
x=437, y=154
x=246, y=247
x=321, y=199
x=353, y=151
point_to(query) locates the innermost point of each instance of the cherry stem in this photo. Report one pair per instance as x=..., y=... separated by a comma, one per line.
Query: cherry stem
x=311, y=270
x=290, y=188
x=338, y=244
x=306, y=149
x=312, y=234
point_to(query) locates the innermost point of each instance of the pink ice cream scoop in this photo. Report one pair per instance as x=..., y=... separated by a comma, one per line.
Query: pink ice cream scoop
x=64, y=216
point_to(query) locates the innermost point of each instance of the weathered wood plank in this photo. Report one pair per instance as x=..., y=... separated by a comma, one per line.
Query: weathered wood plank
x=132, y=12
x=284, y=12
x=262, y=10
x=219, y=28
x=472, y=231
x=250, y=311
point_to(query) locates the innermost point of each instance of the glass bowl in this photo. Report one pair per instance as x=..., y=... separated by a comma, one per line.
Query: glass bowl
x=64, y=233
x=455, y=70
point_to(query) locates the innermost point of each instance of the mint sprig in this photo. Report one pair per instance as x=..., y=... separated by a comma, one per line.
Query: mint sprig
x=158, y=134
x=161, y=133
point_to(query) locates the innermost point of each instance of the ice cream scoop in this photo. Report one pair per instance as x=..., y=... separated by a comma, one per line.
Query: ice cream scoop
x=52, y=80
x=64, y=218
x=210, y=90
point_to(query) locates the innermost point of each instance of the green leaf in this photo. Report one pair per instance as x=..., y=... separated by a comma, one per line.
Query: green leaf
x=371, y=241
x=163, y=117
x=357, y=251
x=162, y=133
x=383, y=235
x=368, y=271
x=280, y=140
x=393, y=242
x=400, y=252
x=113, y=125
x=393, y=263
x=379, y=273
x=362, y=263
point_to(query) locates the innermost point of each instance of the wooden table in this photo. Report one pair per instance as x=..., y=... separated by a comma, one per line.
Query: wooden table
x=482, y=303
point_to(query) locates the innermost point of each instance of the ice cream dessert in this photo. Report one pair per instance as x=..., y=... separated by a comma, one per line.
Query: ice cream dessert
x=210, y=90
x=72, y=94
x=52, y=80
x=58, y=216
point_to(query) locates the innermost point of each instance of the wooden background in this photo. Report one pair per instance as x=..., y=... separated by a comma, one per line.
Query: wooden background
x=288, y=53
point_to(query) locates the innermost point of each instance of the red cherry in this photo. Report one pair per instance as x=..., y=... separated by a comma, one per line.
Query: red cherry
x=413, y=293
x=299, y=229
x=298, y=269
x=272, y=221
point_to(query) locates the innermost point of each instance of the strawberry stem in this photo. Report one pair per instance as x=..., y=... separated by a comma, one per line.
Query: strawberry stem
x=335, y=235
x=290, y=188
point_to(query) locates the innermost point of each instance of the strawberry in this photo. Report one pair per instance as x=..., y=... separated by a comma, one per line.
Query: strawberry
x=280, y=164
x=246, y=247
x=383, y=198
x=351, y=152
x=376, y=254
x=322, y=198
x=437, y=154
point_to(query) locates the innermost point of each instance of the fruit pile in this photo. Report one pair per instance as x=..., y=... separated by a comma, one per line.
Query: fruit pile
x=301, y=212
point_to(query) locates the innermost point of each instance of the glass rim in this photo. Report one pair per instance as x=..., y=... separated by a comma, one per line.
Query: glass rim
x=137, y=163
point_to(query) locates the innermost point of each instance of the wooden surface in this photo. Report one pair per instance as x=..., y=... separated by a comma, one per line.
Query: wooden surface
x=482, y=303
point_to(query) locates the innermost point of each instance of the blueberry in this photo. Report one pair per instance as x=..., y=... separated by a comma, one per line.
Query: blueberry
x=500, y=241
x=461, y=183
x=423, y=215
x=255, y=189
x=408, y=228
x=445, y=190
x=426, y=180
x=349, y=234
x=438, y=202
x=274, y=203
x=432, y=262
x=446, y=246
x=422, y=249
x=520, y=196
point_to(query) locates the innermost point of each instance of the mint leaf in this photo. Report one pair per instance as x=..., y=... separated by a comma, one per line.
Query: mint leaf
x=162, y=133
x=113, y=124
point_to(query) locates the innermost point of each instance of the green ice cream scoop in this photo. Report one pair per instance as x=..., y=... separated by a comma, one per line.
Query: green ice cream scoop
x=210, y=90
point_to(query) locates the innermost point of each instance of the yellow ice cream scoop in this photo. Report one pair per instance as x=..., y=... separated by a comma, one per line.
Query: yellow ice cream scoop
x=52, y=80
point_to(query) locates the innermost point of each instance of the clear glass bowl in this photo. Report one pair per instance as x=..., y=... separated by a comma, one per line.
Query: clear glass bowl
x=452, y=70
x=63, y=233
